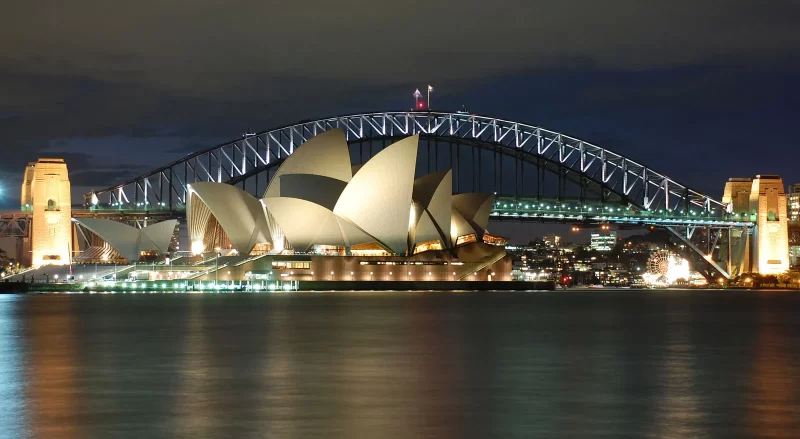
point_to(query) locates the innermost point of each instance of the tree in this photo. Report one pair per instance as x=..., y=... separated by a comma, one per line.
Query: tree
x=785, y=278
x=4, y=261
x=794, y=278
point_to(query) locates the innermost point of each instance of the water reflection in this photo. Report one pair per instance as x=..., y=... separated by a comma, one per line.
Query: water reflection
x=13, y=402
x=774, y=403
x=678, y=410
x=421, y=365
x=52, y=363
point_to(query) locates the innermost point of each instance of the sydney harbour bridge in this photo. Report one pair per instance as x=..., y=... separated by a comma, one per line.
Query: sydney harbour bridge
x=537, y=175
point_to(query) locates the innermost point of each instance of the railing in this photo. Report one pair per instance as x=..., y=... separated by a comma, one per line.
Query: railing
x=578, y=211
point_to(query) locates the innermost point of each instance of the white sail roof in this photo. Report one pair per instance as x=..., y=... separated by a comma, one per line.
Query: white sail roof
x=432, y=197
x=160, y=234
x=325, y=154
x=305, y=223
x=475, y=207
x=317, y=189
x=378, y=197
x=129, y=241
x=459, y=227
x=240, y=214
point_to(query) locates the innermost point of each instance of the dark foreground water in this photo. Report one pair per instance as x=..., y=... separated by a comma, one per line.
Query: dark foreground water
x=609, y=364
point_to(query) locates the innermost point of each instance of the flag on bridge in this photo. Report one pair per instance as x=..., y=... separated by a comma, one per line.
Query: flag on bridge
x=430, y=89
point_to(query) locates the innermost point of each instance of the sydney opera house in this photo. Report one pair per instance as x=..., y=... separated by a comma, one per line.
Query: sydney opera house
x=321, y=218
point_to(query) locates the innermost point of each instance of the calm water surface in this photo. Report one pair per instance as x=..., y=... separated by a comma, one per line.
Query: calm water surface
x=609, y=364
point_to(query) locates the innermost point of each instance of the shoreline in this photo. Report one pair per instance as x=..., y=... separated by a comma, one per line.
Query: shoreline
x=201, y=286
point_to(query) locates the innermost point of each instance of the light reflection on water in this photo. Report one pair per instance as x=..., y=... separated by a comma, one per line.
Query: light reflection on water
x=401, y=364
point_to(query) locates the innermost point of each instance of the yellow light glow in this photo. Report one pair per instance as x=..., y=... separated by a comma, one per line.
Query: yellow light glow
x=198, y=247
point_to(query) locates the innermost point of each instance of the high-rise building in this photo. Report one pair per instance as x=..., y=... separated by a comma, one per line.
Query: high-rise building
x=551, y=241
x=603, y=241
x=793, y=203
x=793, y=211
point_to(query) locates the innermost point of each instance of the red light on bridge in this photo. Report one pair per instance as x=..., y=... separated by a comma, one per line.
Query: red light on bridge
x=421, y=105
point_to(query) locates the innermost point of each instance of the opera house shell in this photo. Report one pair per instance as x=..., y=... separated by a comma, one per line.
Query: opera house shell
x=319, y=203
x=123, y=241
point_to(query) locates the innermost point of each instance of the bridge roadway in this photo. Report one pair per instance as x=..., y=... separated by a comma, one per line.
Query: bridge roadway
x=577, y=211
x=564, y=211
x=505, y=209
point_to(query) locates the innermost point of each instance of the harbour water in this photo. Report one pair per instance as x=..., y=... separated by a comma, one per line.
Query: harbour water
x=611, y=364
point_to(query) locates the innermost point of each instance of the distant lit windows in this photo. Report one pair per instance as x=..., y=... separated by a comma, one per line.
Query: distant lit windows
x=603, y=242
x=466, y=239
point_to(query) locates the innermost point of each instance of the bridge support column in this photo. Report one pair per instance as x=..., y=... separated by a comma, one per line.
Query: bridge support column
x=771, y=234
x=46, y=191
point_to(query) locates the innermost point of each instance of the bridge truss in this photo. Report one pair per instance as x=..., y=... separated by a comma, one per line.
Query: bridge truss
x=512, y=159
x=15, y=224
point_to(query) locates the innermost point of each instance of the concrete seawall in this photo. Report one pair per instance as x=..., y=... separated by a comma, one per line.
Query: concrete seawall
x=423, y=285
x=20, y=287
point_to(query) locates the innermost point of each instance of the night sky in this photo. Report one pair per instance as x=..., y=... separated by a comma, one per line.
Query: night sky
x=698, y=90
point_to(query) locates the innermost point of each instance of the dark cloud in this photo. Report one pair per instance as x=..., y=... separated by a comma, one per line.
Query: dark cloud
x=674, y=84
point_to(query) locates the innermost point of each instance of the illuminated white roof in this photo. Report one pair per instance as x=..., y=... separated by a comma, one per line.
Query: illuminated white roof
x=475, y=207
x=470, y=214
x=240, y=214
x=378, y=197
x=130, y=241
x=325, y=154
x=432, y=199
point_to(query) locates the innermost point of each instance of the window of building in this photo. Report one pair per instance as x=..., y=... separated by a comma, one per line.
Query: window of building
x=368, y=249
x=282, y=265
x=428, y=245
x=51, y=204
x=466, y=239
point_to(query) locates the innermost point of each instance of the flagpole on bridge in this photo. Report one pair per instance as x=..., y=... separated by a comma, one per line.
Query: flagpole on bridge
x=430, y=90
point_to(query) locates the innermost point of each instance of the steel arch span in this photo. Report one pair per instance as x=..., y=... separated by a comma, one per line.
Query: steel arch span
x=638, y=184
x=650, y=197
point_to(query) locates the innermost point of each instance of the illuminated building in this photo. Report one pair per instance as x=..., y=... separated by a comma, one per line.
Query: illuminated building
x=603, y=241
x=793, y=211
x=551, y=241
x=344, y=216
x=46, y=193
x=793, y=203
x=214, y=207
x=771, y=235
